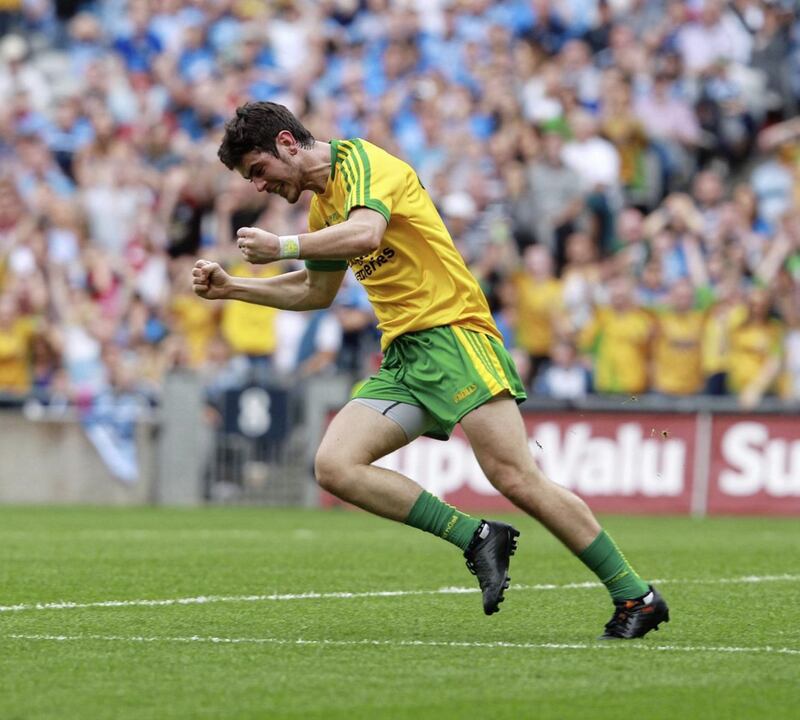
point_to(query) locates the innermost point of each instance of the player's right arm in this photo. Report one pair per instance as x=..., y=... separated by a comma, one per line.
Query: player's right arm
x=300, y=290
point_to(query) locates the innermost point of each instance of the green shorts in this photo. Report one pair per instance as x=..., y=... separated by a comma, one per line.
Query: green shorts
x=449, y=371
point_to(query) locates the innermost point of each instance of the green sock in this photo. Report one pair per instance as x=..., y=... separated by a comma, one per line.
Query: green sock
x=434, y=516
x=606, y=561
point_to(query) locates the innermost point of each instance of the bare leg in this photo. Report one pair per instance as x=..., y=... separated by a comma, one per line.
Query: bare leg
x=497, y=435
x=356, y=438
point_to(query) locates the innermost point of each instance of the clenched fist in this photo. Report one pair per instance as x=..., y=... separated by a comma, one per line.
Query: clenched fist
x=209, y=280
x=258, y=246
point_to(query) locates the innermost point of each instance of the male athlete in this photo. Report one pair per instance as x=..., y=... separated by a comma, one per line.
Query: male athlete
x=443, y=364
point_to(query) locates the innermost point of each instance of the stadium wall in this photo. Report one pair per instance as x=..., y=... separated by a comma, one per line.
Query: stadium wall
x=622, y=456
x=53, y=461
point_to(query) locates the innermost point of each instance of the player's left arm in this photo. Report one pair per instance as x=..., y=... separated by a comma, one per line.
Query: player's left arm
x=359, y=235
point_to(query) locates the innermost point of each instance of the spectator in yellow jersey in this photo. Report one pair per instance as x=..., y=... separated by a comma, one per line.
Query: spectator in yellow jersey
x=791, y=381
x=625, y=130
x=250, y=329
x=16, y=334
x=444, y=363
x=677, y=366
x=756, y=350
x=539, y=306
x=195, y=322
x=727, y=311
x=618, y=337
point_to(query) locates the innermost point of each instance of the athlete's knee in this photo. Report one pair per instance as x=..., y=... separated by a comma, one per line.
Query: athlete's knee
x=332, y=470
x=327, y=470
x=518, y=482
x=514, y=486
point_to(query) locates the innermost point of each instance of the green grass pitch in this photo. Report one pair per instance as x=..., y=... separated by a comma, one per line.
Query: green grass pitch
x=354, y=649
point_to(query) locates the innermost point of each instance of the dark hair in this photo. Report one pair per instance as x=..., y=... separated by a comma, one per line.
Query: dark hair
x=255, y=127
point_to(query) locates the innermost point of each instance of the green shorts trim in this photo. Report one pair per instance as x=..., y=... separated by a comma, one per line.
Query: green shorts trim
x=447, y=370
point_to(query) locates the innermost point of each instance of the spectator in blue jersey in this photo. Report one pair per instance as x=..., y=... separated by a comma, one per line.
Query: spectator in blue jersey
x=196, y=61
x=139, y=46
x=68, y=133
x=564, y=377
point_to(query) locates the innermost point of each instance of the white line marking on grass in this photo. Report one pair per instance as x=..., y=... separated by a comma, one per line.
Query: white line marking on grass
x=410, y=643
x=210, y=599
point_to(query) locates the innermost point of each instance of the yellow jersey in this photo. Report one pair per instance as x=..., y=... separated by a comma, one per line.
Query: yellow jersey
x=620, y=344
x=15, y=350
x=249, y=328
x=196, y=321
x=538, y=304
x=751, y=345
x=416, y=279
x=715, y=350
x=677, y=356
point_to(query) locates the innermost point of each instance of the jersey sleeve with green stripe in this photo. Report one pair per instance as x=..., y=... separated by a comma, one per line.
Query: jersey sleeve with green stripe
x=367, y=183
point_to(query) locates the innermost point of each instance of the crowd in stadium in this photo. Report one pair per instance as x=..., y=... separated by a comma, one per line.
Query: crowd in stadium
x=622, y=176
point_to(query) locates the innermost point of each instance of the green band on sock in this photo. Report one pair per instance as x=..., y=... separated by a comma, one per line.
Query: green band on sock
x=434, y=516
x=606, y=561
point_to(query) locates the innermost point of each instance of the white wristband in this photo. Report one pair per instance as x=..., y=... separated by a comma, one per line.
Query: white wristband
x=290, y=246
